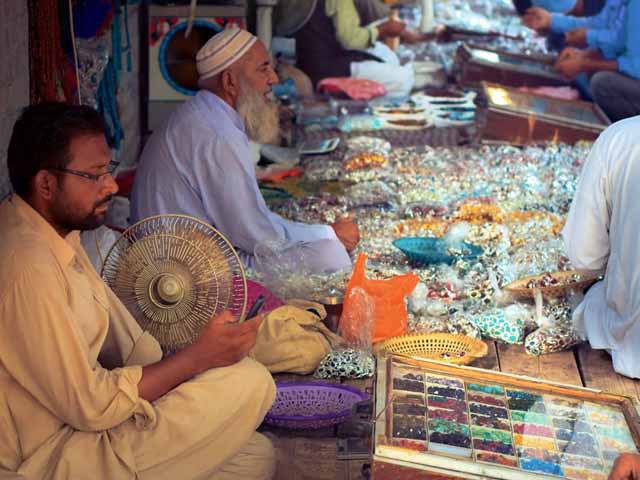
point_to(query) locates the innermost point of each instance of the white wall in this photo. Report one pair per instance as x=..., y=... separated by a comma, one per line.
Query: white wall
x=14, y=75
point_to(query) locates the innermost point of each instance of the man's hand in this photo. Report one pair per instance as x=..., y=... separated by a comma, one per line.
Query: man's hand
x=568, y=53
x=220, y=343
x=347, y=232
x=411, y=36
x=223, y=342
x=577, y=37
x=390, y=28
x=570, y=66
x=626, y=467
x=537, y=18
x=442, y=33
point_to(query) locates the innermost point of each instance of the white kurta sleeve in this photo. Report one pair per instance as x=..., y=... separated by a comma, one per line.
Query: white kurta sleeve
x=586, y=233
x=234, y=204
x=303, y=232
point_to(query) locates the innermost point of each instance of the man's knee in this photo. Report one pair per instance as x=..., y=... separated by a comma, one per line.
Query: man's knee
x=258, y=377
x=602, y=84
x=256, y=460
x=250, y=382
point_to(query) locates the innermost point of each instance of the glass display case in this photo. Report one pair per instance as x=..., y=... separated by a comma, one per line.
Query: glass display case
x=463, y=422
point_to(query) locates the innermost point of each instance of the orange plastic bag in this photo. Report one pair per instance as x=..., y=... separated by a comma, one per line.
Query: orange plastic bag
x=390, y=313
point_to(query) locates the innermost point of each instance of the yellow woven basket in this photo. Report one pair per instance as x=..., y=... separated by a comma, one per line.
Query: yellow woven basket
x=520, y=291
x=444, y=347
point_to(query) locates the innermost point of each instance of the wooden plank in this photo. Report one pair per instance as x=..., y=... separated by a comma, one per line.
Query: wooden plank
x=351, y=469
x=305, y=458
x=490, y=360
x=597, y=371
x=517, y=380
x=558, y=367
x=390, y=471
x=364, y=384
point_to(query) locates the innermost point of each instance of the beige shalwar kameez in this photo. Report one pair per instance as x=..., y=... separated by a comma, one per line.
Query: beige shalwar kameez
x=70, y=363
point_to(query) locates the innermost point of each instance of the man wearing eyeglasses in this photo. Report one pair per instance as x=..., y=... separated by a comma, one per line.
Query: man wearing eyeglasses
x=84, y=393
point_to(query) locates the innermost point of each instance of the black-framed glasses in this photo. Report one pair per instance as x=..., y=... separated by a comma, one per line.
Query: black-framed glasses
x=96, y=178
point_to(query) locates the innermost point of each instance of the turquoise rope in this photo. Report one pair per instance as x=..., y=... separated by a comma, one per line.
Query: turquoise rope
x=108, y=90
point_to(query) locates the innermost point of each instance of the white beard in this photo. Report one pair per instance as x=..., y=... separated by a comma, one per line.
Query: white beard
x=260, y=116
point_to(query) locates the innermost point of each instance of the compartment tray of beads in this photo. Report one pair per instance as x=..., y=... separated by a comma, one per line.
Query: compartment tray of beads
x=444, y=347
x=551, y=284
x=312, y=405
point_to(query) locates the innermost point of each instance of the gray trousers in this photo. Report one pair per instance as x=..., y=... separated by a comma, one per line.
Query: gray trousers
x=616, y=94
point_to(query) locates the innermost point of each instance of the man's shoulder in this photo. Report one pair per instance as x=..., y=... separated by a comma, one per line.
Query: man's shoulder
x=23, y=254
x=196, y=122
x=624, y=132
x=617, y=148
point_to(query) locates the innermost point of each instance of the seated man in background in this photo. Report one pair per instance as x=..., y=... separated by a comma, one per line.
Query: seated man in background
x=615, y=85
x=84, y=393
x=601, y=235
x=372, y=10
x=601, y=31
x=568, y=7
x=334, y=42
x=199, y=163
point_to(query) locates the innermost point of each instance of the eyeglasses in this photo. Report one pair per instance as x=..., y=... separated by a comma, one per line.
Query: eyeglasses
x=99, y=178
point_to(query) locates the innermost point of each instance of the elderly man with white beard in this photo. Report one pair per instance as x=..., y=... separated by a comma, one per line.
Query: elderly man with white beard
x=199, y=162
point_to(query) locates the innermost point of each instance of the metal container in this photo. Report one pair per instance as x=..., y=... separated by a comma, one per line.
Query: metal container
x=477, y=64
x=523, y=117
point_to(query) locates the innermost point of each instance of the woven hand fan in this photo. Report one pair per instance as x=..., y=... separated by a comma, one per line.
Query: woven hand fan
x=173, y=273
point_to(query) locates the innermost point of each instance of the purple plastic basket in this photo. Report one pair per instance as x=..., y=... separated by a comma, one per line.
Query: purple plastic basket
x=310, y=405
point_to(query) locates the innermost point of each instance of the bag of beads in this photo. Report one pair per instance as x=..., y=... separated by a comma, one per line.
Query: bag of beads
x=365, y=158
x=370, y=194
x=354, y=358
x=505, y=324
x=346, y=363
x=551, y=339
x=365, y=143
x=556, y=332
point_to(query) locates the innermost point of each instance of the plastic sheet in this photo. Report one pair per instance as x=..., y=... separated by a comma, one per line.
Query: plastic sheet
x=358, y=319
x=388, y=297
x=283, y=268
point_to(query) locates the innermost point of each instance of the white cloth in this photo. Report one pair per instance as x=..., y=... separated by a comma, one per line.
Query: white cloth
x=199, y=164
x=602, y=232
x=397, y=79
x=97, y=243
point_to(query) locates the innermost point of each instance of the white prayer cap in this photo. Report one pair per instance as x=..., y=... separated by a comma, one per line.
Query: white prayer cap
x=222, y=50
